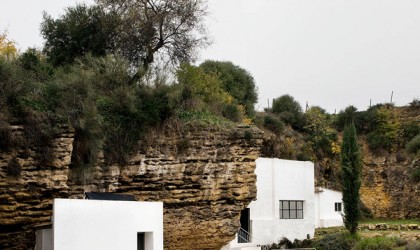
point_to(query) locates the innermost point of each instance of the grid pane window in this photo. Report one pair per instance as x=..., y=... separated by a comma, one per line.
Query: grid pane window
x=291, y=209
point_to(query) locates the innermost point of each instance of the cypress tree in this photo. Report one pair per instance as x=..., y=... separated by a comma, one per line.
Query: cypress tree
x=351, y=169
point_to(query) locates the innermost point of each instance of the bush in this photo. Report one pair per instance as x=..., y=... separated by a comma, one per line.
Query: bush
x=6, y=137
x=376, y=243
x=14, y=168
x=387, y=131
x=289, y=110
x=40, y=130
x=413, y=147
x=415, y=104
x=236, y=81
x=411, y=129
x=273, y=124
x=285, y=243
x=415, y=175
x=413, y=246
x=232, y=112
x=345, y=117
x=340, y=241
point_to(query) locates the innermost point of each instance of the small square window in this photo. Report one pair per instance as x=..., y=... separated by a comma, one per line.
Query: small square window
x=338, y=207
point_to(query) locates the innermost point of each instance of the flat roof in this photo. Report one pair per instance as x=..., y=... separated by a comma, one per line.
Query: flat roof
x=109, y=196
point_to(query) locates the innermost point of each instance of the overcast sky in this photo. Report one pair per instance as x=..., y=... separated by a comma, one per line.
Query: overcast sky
x=331, y=53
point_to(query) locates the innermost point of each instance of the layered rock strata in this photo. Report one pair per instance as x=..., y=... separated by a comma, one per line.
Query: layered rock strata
x=205, y=177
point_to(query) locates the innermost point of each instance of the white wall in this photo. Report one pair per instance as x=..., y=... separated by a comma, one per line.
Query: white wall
x=44, y=239
x=99, y=224
x=282, y=180
x=325, y=214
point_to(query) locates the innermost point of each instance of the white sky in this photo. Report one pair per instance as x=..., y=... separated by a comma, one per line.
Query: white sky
x=331, y=53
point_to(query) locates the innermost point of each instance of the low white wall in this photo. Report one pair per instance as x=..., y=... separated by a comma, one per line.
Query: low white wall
x=326, y=216
x=282, y=180
x=99, y=224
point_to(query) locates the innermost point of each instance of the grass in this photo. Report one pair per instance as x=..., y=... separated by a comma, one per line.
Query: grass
x=391, y=221
x=198, y=118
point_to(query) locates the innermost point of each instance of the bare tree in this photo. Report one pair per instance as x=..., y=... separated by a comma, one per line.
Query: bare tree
x=172, y=29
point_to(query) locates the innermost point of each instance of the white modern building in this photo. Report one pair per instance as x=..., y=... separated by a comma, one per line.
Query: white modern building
x=329, y=208
x=287, y=205
x=103, y=224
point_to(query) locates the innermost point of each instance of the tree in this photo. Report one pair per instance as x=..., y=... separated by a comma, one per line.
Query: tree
x=289, y=110
x=81, y=30
x=346, y=117
x=321, y=135
x=8, y=48
x=172, y=28
x=351, y=167
x=200, y=89
x=236, y=81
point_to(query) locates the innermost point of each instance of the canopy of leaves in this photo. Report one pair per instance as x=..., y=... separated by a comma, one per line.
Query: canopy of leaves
x=135, y=29
x=173, y=27
x=81, y=30
x=321, y=135
x=387, y=132
x=236, y=81
x=289, y=110
x=8, y=48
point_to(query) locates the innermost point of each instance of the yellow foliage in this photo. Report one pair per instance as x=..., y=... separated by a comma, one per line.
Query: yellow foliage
x=247, y=121
x=335, y=148
x=8, y=48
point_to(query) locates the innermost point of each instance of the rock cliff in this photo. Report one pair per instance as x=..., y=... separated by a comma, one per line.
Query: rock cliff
x=388, y=189
x=205, y=177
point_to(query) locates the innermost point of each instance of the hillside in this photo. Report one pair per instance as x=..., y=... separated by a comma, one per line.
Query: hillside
x=390, y=187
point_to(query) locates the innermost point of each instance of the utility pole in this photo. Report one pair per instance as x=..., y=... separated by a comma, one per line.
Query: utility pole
x=392, y=94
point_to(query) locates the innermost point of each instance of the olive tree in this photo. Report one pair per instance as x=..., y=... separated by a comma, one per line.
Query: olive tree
x=174, y=29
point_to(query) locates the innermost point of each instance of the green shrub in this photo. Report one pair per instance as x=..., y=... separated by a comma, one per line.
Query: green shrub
x=413, y=246
x=415, y=104
x=415, y=175
x=411, y=129
x=232, y=112
x=413, y=147
x=273, y=124
x=387, y=132
x=376, y=243
x=248, y=135
x=321, y=136
x=305, y=153
x=182, y=146
x=40, y=130
x=6, y=137
x=289, y=110
x=13, y=168
x=339, y=241
x=285, y=243
x=236, y=81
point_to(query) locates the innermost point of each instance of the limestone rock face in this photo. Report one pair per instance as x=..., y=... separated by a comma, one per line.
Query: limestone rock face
x=205, y=177
x=387, y=187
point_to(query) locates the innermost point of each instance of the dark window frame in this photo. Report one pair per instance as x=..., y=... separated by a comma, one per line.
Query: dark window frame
x=291, y=209
x=338, y=206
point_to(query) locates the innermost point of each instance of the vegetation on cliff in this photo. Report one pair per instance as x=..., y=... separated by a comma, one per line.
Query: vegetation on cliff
x=111, y=86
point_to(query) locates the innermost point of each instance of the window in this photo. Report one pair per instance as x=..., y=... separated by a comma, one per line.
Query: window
x=291, y=209
x=337, y=206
